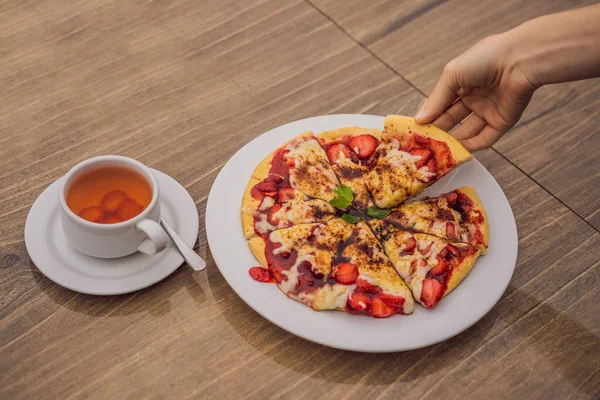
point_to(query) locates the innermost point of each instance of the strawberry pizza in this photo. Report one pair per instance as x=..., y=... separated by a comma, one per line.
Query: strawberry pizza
x=332, y=220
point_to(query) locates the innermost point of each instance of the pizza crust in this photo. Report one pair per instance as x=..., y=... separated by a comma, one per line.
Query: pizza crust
x=394, y=123
x=257, y=247
x=461, y=271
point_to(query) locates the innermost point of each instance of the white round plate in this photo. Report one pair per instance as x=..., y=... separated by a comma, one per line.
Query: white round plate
x=468, y=303
x=60, y=262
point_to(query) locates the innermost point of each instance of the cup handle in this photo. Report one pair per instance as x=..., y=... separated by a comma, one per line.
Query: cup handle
x=157, y=237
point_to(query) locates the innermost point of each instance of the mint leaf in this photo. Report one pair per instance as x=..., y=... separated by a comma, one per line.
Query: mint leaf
x=344, y=192
x=340, y=203
x=351, y=219
x=344, y=197
x=376, y=212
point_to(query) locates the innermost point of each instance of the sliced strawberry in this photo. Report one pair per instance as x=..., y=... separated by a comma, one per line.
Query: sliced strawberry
x=334, y=151
x=453, y=250
x=451, y=231
x=267, y=188
x=432, y=166
x=286, y=194
x=359, y=301
x=92, y=214
x=443, y=155
x=271, y=218
x=260, y=274
x=346, y=273
x=392, y=301
x=129, y=210
x=451, y=197
x=431, y=292
x=424, y=153
x=113, y=200
x=426, y=250
x=464, y=203
x=363, y=145
x=381, y=310
x=410, y=244
x=275, y=178
x=441, y=267
x=365, y=287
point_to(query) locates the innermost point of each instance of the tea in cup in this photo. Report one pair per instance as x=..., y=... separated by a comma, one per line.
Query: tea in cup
x=110, y=208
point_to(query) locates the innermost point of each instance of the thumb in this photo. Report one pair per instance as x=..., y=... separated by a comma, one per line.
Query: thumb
x=443, y=95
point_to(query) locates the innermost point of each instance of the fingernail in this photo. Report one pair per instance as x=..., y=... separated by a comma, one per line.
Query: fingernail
x=421, y=113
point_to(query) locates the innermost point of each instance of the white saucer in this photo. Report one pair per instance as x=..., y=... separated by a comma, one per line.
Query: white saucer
x=466, y=305
x=60, y=262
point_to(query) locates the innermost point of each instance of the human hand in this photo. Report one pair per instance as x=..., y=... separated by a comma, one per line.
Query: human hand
x=483, y=85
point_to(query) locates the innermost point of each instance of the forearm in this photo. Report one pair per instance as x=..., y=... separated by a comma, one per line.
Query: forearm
x=557, y=48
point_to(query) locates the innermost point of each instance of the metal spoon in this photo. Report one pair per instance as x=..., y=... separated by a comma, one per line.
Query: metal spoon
x=189, y=255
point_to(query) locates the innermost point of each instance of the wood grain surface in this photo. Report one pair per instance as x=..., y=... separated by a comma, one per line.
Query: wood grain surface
x=181, y=85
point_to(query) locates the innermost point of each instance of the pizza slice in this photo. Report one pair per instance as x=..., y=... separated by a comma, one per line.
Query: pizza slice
x=351, y=151
x=333, y=265
x=431, y=267
x=410, y=158
x=457, y=216
x=378, y=291
x=268, y=205
x=290, y=186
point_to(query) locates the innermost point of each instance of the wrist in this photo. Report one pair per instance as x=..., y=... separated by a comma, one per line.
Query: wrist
x=557, y=47
x=521, y=56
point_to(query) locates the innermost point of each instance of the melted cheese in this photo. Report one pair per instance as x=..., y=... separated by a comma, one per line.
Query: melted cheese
x=262, y=225
x=308, y=153
x=298, y=210
x=398, y=158
x=266, y=203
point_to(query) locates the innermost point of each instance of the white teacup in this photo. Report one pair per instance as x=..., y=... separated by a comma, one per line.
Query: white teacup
x=140, y=233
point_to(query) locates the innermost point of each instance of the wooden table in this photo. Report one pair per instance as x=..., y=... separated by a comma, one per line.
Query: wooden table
x=181, y=85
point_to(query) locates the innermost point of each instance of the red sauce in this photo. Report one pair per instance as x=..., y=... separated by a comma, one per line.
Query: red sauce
x=278, y=179
x=281, y=163
x=278, y=262
x=256, y=194
x=464, y=205
x=310, y=279
x=260, y=274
